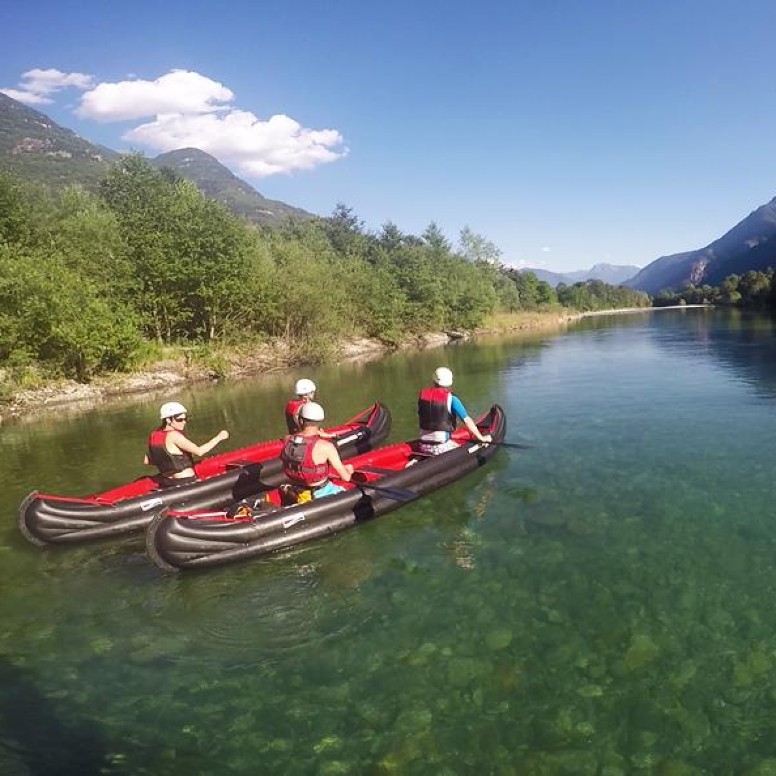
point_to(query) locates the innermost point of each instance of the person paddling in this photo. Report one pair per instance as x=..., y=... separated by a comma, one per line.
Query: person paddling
x=438, y=410
x=171, y=452
x=309, y=459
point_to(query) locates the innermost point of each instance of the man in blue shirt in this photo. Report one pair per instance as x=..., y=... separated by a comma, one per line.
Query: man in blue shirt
x=438, y=410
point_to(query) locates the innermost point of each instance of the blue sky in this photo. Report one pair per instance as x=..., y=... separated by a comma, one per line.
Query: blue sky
x=566, y=132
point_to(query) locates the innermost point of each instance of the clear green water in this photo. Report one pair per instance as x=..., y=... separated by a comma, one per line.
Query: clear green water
x=602, y=604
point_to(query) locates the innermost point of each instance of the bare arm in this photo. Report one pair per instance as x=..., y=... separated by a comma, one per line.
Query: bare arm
x=187, y=446
x=344, y=471
x=475, y=432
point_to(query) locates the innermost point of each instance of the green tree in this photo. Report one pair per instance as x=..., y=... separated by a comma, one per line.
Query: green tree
x=475, y=247
x=24, y=208
x=188, y=253
x=345, y=231
x=435, y=239
x=51, y=314
x=391, y=237
x=755, y=288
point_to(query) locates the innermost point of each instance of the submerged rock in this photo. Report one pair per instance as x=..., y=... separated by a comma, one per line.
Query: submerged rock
x=498, y=638
x=641, y=652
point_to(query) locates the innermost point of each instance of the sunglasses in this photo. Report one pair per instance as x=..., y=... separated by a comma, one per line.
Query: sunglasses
x=180, y=418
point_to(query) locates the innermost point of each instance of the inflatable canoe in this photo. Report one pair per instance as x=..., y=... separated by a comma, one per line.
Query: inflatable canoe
x=46, y=519
x=384, y=480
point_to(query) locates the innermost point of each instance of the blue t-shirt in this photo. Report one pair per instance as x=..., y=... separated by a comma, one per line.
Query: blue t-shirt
x=457, y=408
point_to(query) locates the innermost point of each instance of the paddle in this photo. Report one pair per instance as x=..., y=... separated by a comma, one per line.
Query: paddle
x=513, y=445
x=399, y=494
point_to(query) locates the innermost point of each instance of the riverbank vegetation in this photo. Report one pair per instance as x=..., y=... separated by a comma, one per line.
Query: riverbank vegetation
x=754, y=289
x=103, y=282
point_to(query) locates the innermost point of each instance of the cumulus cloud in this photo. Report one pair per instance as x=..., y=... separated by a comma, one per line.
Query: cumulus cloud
x=257, y=148
x=28, y=98
x=190, y=110
x=180, y=91
x=37, y=85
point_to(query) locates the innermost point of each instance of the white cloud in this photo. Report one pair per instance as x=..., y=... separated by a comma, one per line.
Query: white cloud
x=257, y=148
x=179, y=91
x=28, y=98
x=36, y=85
x=546, y=249
x=191, y=110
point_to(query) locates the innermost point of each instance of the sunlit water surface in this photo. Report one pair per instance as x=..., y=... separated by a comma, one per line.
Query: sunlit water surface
x=601, y=604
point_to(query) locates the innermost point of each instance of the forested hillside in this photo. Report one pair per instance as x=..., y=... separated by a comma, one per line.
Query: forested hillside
x=217, y=182
x=90, y=282
x=749, y=246
x=37, y=149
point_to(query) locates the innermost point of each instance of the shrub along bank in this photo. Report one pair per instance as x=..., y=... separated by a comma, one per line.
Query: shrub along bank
x=96, y=284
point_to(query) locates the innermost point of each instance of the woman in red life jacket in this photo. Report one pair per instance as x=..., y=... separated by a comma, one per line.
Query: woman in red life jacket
x=171, y=452
x=438, y=410
x=309, y=459
x=305, y=392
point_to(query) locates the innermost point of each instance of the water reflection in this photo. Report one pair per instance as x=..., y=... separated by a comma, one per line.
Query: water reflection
x=743, y=342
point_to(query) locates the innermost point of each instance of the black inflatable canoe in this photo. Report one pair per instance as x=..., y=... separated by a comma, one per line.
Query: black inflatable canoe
x=46, y=519
x=384, y=480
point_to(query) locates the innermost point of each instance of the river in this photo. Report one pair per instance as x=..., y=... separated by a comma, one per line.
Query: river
x=600, y=604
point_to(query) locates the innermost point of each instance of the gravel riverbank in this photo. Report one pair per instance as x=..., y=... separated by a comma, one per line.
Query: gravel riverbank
x=266, y=358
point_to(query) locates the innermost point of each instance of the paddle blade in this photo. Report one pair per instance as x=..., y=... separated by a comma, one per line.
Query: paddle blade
x=399, y=494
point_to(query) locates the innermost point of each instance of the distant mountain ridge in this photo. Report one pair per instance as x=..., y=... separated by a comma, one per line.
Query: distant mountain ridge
x=614, y=274
x=749, y=245
x=217, y=182
x=36, y=148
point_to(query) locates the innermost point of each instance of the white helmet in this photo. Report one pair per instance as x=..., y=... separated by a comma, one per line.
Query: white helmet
x=304, y=386
x=311, y=411
x=170, y=408
x=443, y=377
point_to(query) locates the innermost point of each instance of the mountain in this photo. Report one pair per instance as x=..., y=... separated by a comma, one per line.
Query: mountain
x=750, y=245
x=217, y=182
x=614, y=274
x=36, y=148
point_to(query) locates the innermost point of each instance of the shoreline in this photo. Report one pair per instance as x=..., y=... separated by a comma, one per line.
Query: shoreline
x=263, y=359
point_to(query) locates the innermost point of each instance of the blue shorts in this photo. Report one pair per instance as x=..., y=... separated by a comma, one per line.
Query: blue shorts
x=329, y=489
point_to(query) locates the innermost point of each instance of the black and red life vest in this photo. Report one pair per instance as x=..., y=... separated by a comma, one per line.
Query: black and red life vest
x=168, y=463
x=292, y=415
x=434, y=410
x=298, y=465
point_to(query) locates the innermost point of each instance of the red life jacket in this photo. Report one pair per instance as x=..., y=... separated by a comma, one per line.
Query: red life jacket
x=433, y=410
x=292, y=415
x=297, y=457
x=168, y=463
